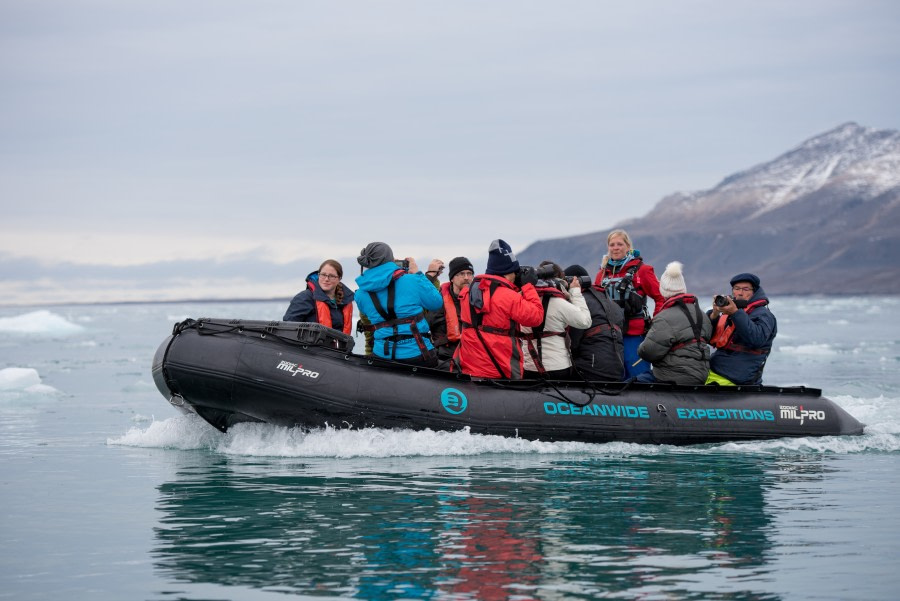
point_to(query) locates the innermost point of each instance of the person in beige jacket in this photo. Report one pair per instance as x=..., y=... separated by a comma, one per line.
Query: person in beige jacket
x=546, y=347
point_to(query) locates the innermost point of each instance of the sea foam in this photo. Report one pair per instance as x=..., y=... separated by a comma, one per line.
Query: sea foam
x=264, y=440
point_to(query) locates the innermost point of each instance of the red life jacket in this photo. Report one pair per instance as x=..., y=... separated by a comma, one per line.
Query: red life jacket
x=323, y=312
x=723, y=334
x=451, y=315
x=537, y=333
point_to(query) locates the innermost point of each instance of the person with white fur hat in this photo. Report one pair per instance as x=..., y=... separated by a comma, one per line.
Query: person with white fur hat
x=677, y=343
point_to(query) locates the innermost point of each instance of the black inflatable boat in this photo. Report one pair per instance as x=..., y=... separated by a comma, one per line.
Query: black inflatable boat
x=304, y=374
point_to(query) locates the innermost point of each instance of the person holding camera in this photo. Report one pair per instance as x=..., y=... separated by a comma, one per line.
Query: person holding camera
x=628, y=281
x=597, y=351
x=325, y=300
x=445, y=322
x=546, y=346
x=493, y=308
x=676, y=344
x=393, y=296
x=744, y=331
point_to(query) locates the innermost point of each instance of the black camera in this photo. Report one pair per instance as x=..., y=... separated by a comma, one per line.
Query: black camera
x=720, y=300
x=583, y=280
x=403, y=264
x=530, y=275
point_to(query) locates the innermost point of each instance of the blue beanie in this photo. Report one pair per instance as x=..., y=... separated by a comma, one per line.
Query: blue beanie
x=746, y=277
x=501, y=259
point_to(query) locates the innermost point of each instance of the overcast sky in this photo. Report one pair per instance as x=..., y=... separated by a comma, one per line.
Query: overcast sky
x=291, y=131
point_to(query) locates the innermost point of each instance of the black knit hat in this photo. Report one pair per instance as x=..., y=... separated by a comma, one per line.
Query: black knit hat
x=577, y=270
x=458, y=264
x=501, y=259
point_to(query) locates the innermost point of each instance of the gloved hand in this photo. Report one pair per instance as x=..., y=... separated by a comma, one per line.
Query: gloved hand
x=527, y=275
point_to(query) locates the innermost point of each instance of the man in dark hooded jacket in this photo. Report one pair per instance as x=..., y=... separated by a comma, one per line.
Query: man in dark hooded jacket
x=744, y=330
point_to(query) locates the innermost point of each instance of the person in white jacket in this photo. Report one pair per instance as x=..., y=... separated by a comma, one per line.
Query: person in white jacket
x=546, y=347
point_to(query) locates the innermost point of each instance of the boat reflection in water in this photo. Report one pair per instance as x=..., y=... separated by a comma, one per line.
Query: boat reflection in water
x=483, y=527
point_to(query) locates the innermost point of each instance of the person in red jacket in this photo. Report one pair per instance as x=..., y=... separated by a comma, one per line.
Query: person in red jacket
x=628, y=281
x=492, y=308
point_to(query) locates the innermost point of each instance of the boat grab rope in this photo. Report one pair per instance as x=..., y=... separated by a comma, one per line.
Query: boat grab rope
x=265, y=330
x=591, y=389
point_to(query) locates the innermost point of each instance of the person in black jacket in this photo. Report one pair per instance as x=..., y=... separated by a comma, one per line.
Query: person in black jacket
x=598, y=352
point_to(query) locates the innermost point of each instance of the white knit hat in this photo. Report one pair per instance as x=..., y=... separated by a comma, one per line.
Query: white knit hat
x=672, y=282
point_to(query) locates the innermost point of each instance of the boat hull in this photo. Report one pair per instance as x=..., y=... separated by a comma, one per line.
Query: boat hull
x=290, y=374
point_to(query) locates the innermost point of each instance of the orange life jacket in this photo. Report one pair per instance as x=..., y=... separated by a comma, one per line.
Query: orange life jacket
x=724, y=330
x=451, y=315
x=323, y=315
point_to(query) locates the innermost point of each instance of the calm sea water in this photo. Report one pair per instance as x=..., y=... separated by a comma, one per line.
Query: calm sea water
x=107, y=493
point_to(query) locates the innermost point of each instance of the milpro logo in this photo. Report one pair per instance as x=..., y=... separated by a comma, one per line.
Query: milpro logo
x=454, y=401
x=297, y=369
x=798, y=412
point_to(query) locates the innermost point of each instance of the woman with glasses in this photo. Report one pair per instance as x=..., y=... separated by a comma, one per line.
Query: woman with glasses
x=326, y=300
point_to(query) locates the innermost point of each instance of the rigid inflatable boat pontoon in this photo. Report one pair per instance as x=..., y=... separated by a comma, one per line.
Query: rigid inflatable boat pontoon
x=304, y=374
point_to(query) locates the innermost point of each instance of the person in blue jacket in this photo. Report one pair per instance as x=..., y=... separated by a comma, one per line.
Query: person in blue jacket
x=394, y=296
x=744, y=330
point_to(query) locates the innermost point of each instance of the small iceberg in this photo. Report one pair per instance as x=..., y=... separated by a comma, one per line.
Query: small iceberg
x=23, y=379
x=39, y=322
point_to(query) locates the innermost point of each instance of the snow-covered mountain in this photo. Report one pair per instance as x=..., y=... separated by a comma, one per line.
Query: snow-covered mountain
x=822, y=218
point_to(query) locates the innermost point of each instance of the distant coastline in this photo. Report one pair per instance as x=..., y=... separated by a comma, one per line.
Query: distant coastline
x=285, y=300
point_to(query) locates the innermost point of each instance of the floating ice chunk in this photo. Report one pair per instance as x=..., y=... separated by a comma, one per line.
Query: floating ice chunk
x=39, y=322
x=809, y=349
x=18, y=378
x=23, y=379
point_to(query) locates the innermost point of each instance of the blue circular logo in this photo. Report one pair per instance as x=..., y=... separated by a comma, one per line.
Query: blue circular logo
x=454, y=401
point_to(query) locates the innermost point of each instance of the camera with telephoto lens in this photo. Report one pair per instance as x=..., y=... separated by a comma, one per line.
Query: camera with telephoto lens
x=720, y=300
x=544, y=272
x=530, y=275
x=583, y=280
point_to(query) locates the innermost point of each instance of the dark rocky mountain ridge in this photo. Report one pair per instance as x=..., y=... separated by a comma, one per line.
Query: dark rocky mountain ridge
x=823, y=218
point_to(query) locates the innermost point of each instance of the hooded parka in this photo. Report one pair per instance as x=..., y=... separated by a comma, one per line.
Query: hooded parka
x=676, y=343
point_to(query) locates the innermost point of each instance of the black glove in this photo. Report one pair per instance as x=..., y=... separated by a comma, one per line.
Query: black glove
x=527, y=275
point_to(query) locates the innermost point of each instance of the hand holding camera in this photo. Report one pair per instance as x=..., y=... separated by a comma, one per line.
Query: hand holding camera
x=579, y=281
x=408, y=265
x=435, y=268
x=723, y=304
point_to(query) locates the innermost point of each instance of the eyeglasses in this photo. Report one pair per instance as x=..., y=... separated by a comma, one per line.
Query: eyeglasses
x=328, y=276
x=742, y=288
